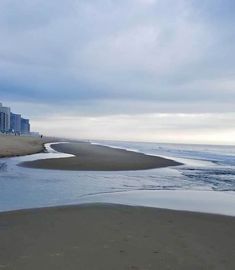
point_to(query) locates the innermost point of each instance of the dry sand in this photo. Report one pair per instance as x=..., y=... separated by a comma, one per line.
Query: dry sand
x=21, y=145
x=100, y=237
x=99, y=158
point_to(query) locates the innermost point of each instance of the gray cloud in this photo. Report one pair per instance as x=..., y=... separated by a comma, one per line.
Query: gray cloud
x=110, y=57
x=127, y=49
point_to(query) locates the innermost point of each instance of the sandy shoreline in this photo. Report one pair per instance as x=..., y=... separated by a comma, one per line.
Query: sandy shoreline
x=99, y=158
x=99, y=237
x=104, y=236
x=21, y=145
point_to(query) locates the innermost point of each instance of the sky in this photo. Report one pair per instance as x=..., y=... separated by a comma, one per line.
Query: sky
x=139, y=70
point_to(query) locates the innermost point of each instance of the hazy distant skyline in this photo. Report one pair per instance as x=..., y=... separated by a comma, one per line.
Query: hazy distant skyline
x=149, y=70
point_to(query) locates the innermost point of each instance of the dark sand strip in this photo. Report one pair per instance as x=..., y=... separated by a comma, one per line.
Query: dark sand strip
x=100, y=237
x=99, y=158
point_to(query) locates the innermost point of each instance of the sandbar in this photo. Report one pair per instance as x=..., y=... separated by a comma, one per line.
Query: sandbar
x=90, y=157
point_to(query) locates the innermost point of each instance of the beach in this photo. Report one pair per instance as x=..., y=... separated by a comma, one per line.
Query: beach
x=100, y=237
x=92, y=157
x=11, y=145
x=104, y=236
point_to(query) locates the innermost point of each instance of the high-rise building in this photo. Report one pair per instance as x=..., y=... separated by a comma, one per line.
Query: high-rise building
x=12, y=122
x=25, y=126
x=5, y=118
x=15, y=123
x=2, y=122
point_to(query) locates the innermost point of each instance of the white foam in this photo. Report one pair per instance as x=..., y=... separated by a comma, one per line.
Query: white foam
x=57, y=154
x=50, y=153
x=116, y=147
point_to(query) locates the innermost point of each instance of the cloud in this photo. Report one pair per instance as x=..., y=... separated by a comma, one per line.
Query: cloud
x=109, y=45
x=110, y=57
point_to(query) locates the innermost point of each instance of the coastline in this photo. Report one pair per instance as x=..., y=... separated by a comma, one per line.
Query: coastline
x=90, y=157
x=115, y=237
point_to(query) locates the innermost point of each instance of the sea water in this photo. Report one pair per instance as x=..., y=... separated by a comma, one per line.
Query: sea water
x=205, y=182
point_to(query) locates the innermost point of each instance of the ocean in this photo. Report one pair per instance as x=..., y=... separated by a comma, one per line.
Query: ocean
x=204, y=183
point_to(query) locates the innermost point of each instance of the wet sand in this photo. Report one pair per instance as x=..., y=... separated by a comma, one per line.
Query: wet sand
x=100, y=237
x=11, y=145
x=99, y=158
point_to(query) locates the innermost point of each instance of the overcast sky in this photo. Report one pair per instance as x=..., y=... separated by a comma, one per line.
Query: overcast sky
x=150, y=70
